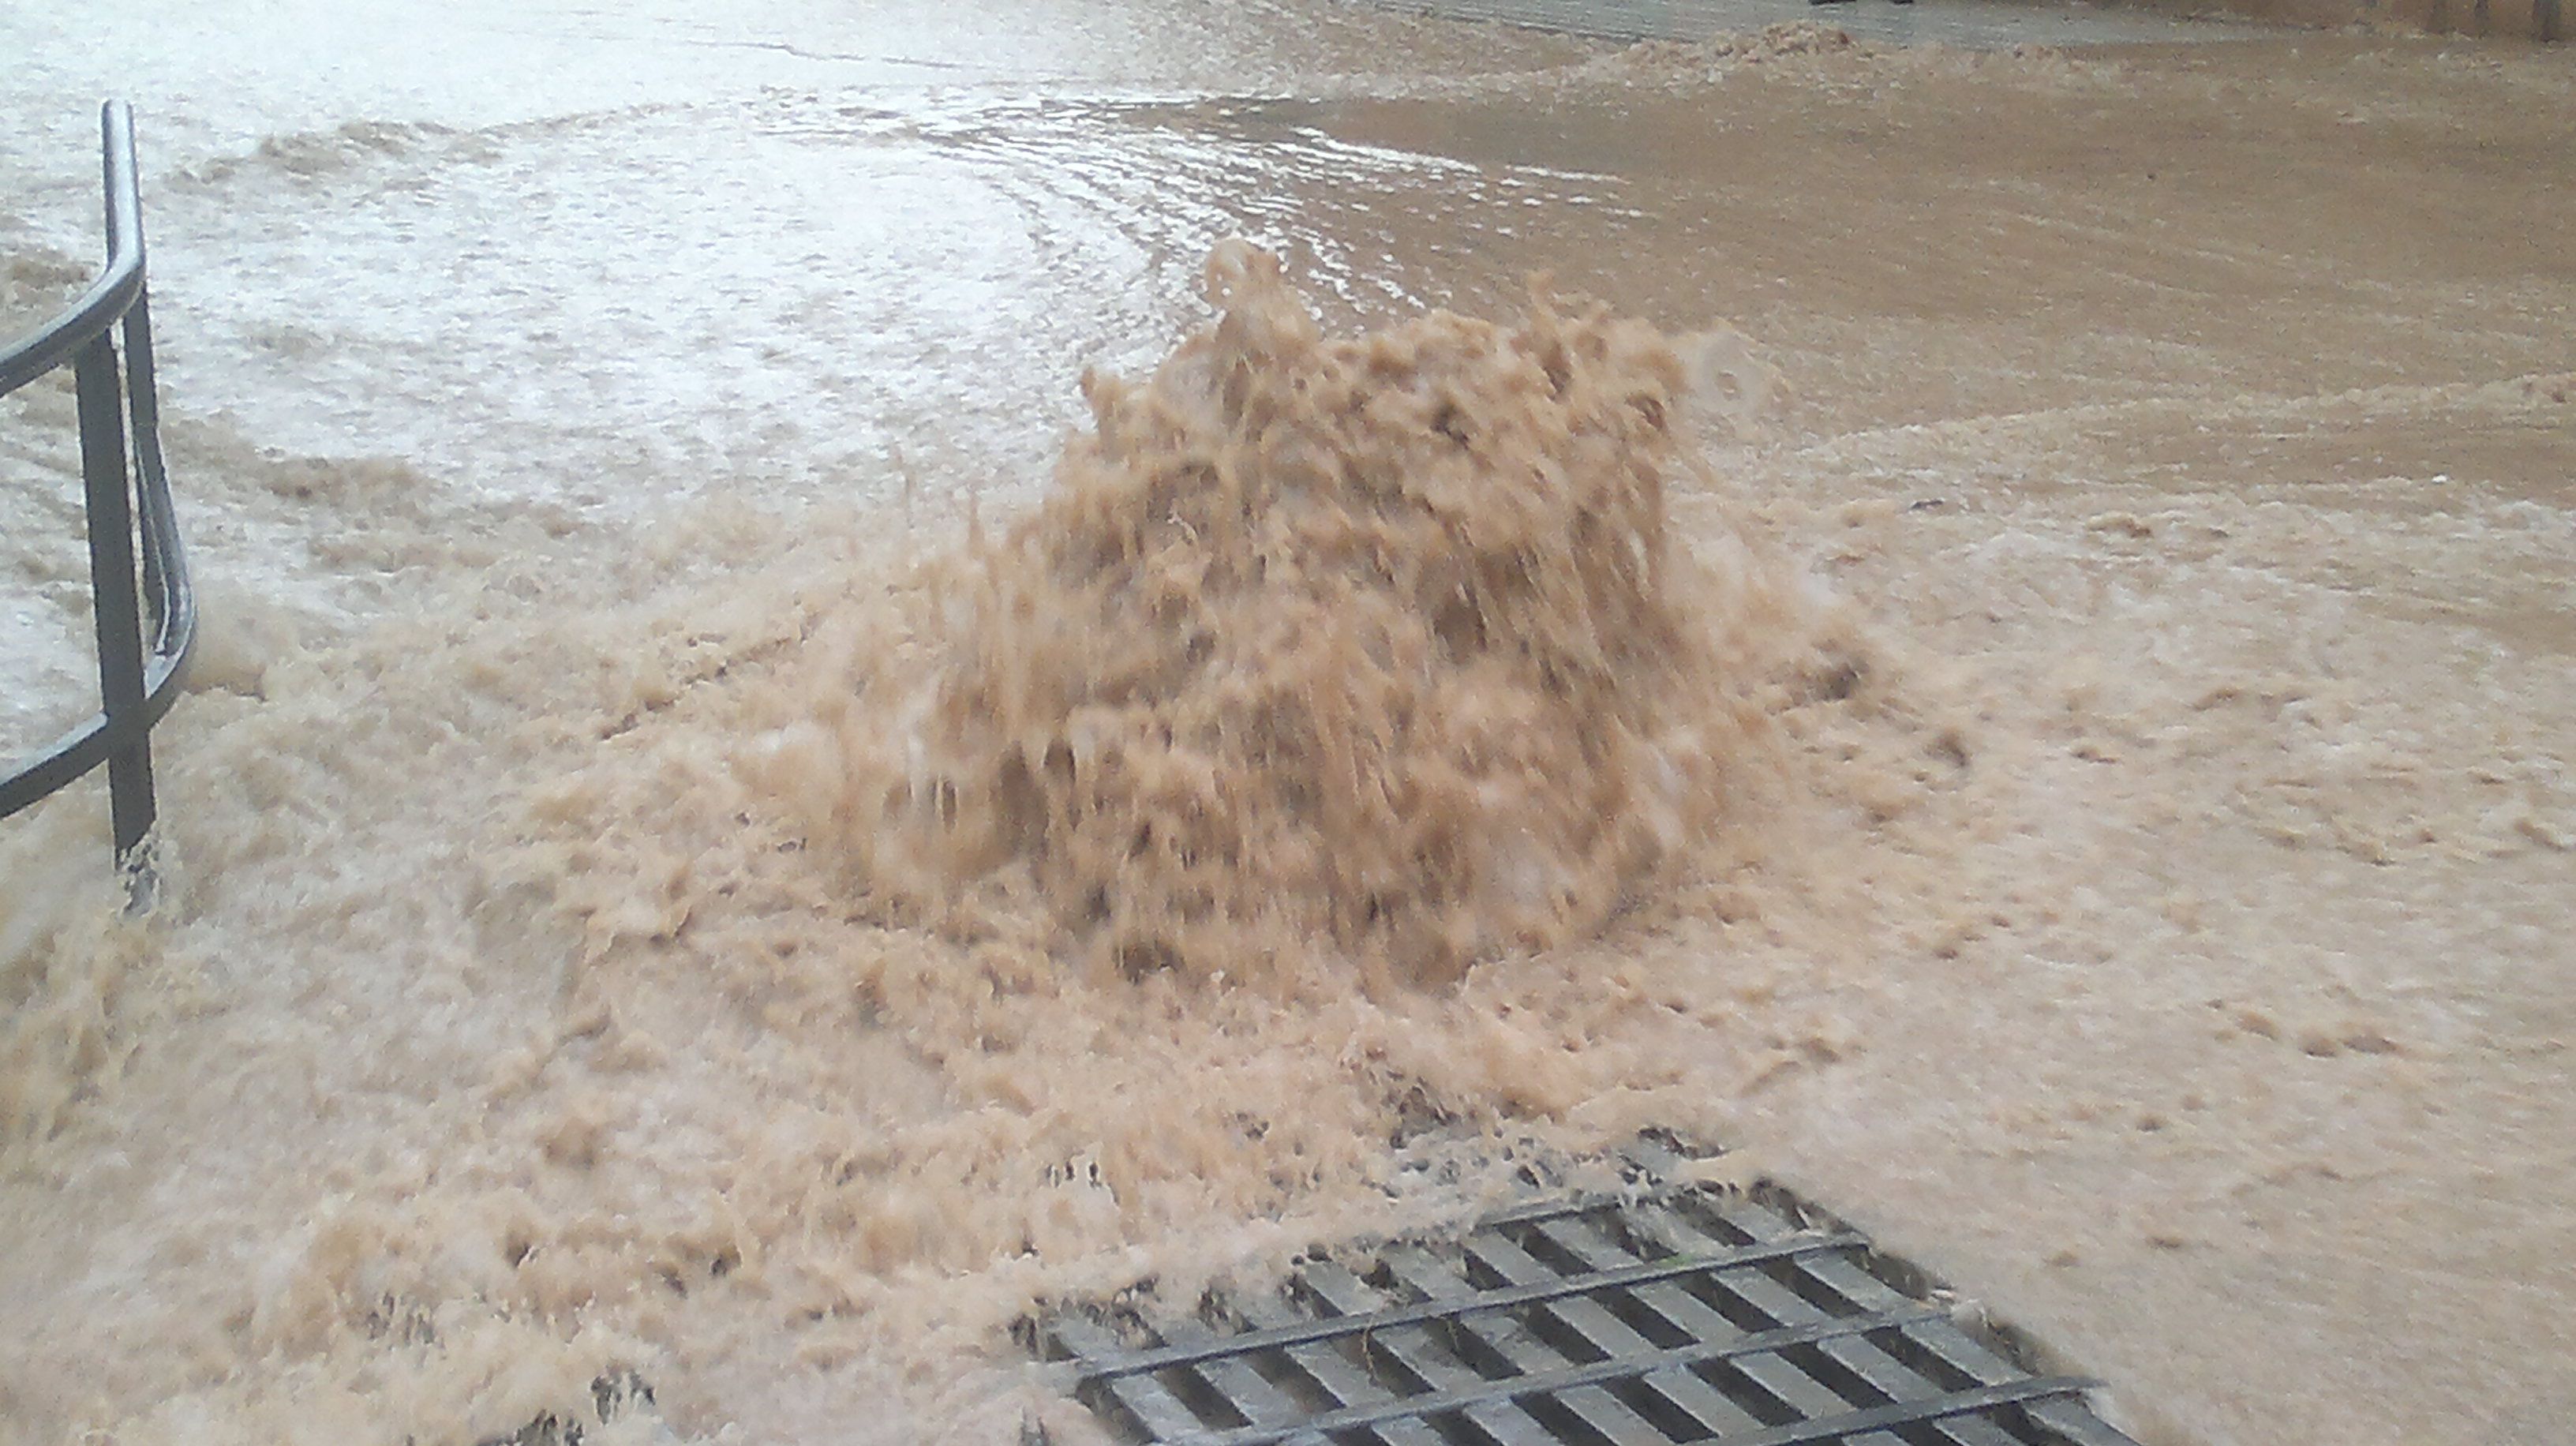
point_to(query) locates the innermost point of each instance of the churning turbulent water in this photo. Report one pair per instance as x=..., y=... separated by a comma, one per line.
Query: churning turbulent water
x=1376, y=653
x=658, y=882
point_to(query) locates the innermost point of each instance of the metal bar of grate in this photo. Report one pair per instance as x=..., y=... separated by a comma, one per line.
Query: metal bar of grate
x=1344, y=1383
x=1463, y=1397
x=1677, y=1313
x=1677, y=1310
x=1877, y=1373
x=1435, y=1363
x=1600, y=1330
x=1528, y=1293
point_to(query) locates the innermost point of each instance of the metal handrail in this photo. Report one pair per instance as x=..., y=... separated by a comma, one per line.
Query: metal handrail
x=135, y=687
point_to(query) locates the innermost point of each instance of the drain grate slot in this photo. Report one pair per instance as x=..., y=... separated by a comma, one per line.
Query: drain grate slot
x=1681, y=1314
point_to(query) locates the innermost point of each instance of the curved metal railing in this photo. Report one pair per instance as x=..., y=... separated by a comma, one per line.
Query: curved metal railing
x=127, y=507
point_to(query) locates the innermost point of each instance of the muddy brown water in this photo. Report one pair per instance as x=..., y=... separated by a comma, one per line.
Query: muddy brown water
x=2161, y=931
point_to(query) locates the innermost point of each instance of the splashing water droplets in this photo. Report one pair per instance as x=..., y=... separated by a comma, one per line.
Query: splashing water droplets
x=1373, y=647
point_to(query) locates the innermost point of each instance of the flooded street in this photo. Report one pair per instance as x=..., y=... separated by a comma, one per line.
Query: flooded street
x=2080, y=783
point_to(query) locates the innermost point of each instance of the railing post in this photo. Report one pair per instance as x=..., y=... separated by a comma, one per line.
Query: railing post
x=127, y=505
x=111, y=574
x=143, y=404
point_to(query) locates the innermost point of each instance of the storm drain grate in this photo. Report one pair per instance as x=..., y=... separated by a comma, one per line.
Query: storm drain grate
x=1689, y=1313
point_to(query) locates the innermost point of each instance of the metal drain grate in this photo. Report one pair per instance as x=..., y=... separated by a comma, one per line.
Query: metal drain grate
x=1690, y=1314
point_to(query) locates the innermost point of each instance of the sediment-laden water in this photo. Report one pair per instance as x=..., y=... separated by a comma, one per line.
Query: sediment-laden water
x=827, y=714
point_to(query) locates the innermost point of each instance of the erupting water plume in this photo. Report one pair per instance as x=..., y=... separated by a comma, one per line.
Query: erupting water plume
x=1376, y=642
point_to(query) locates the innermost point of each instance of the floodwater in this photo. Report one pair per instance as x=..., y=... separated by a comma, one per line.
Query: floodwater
x=2104, y=820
